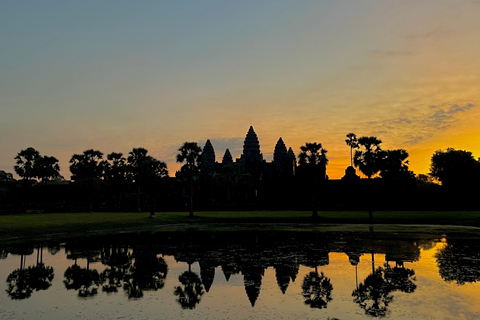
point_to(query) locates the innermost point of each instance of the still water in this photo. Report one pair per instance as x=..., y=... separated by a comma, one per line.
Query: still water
x=243, y=275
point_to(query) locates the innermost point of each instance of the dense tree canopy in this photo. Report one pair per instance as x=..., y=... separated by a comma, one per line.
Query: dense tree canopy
x=394, y=165
x=31, y=165
x=454, y=168
x=87, y=166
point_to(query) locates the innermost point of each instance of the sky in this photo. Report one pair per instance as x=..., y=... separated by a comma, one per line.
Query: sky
x=116, y=75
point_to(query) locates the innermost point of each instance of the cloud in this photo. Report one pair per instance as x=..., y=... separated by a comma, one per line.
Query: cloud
x=420, y=125
x=389, y=53
x=431, y=35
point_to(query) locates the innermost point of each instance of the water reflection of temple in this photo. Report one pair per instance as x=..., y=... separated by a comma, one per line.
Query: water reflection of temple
x=134, y=264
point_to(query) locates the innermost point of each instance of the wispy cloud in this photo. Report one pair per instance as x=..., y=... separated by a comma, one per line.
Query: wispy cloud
x=420, y=125
x=431, y=35
x=389, y=53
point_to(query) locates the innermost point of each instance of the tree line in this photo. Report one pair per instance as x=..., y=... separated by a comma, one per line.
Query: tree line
x=139, y=175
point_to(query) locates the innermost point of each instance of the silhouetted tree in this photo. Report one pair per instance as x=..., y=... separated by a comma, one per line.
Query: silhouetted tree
x=6, y=176
x=352, y=142
x=116, y=175
x=455, y=168
x=7, y=184
x=153, y=172
x=47, y=168
x=312, y=162
x=368, y=159
x=136, y=159
x=25, y=163
x=317, y=290
x=87, y=170
x=190, y=154
x=147, y=173
x=394, y=165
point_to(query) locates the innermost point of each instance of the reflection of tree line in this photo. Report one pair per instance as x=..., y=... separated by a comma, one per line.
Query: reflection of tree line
x=138, y=268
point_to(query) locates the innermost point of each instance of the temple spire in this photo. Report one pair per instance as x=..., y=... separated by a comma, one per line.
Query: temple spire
x=227, y=157
x=208, y=158
x=280, y=152
x=251, y=148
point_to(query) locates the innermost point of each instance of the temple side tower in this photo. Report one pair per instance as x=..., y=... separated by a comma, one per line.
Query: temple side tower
x=280, y=153
x=208, y=158
x=227, y=158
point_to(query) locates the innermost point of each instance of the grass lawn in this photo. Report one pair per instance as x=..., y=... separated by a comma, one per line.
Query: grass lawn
x=48, y=224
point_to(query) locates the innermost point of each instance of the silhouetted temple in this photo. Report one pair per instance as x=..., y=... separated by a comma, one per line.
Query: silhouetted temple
x=227, y=158
x=251, y=149
x=208, y=158
x=251, y=160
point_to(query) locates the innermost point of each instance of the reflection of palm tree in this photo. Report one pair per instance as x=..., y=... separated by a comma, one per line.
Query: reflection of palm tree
x=40, y=276
x=118, y=261
x=21, y=282
x=189, y=296
x=84, y=280
x=374, y=294
x=400, y=278
x=354, y=259
x=317, y=290
x=147, y=273
x=18, y=285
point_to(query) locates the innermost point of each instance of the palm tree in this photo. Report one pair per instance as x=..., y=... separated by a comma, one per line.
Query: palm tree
x=352, y=142
x=115, y=175
x=313, y=162
x=136, y=159
x=394, y=165
x=190, y=154
x=47, y=168
x=368, y=159
x=87, y=170
x=147, y=172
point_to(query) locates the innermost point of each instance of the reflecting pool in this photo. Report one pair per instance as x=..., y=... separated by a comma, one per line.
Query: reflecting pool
x=243, y=275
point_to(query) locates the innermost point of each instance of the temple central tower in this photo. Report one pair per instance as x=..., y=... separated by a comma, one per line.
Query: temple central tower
x=251, y=148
